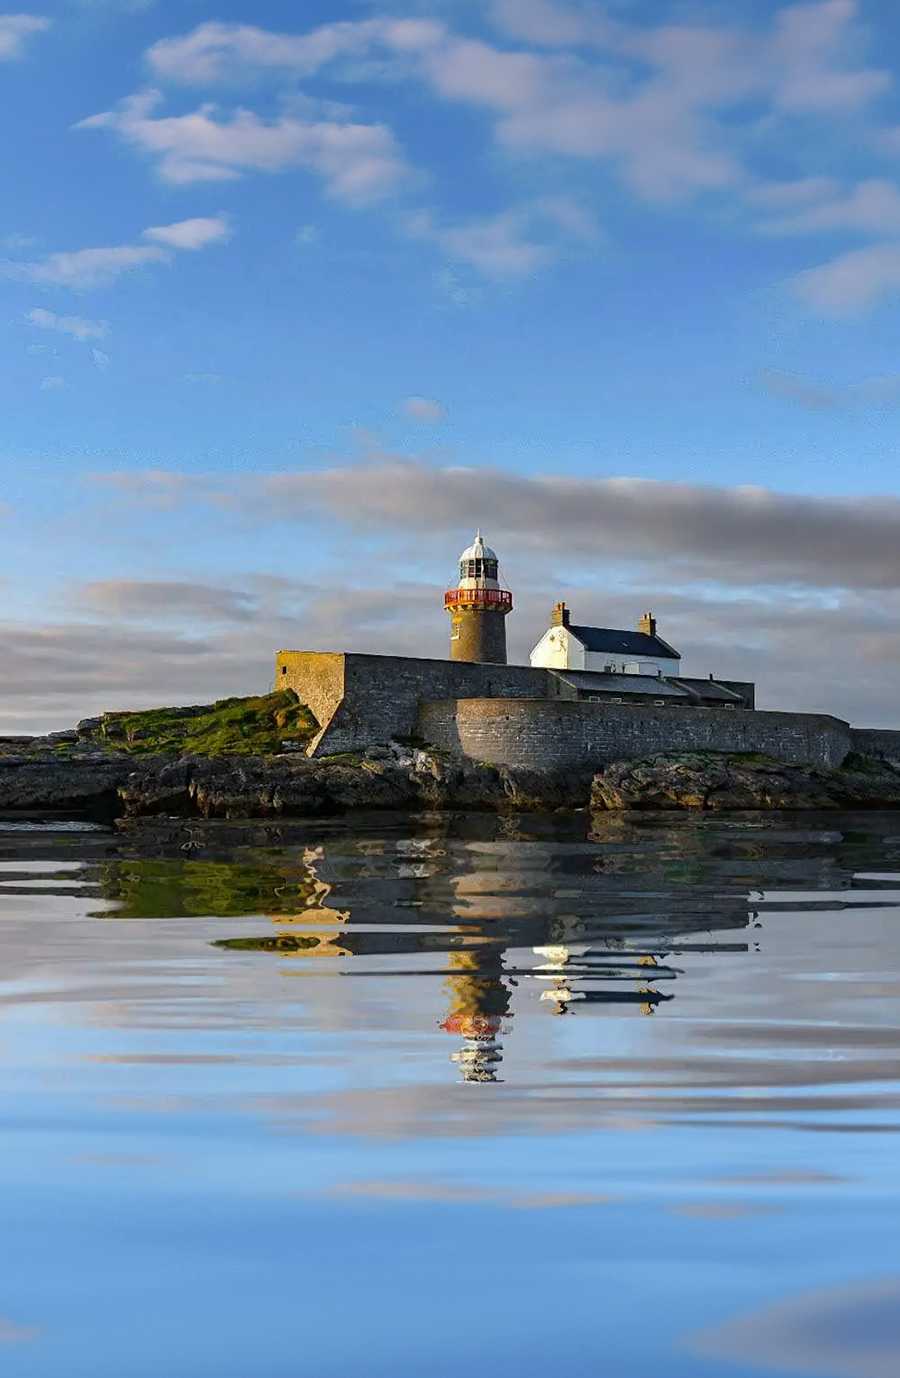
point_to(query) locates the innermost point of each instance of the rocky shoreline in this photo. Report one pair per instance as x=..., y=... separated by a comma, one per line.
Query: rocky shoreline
x=49, y=776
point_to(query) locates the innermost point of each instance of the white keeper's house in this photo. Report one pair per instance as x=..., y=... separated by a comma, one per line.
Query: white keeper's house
x=565, y=646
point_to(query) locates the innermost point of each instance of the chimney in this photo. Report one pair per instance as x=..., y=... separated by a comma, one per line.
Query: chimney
x=647, y=624
x=561, y=615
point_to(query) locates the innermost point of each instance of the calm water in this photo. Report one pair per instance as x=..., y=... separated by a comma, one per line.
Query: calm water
x=430, y=1097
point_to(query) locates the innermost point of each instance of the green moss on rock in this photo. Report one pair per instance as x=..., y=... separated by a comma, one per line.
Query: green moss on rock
x=260, y=726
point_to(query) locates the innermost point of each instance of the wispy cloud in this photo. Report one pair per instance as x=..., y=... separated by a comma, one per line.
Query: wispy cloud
x=513, y=243
x=166, y=600
x=852, y=281
x=85, y=268
x=191, y=234
x=359, y=163
x=77, y=326
x=880, y=391
x=216, y=52
x=656, y=101
x=88, y=268
x=791, y=387
x=161, y=489
x=12, y=1333
x=871, y=208
x=16, y=30
x=425, y=409
x=671, y=107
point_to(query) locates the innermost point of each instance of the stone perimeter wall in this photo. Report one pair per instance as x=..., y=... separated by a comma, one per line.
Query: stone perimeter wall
x=516, y=715
x=564, y=734
x=362, y=699
x=877, y=741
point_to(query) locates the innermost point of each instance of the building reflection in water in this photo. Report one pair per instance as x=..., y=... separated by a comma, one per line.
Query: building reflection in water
x=479, y=1001
x=480, y=908
x=564, y=966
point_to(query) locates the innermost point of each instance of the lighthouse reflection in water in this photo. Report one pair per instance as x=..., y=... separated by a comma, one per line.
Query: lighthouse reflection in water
x=513, y=920
x=633, y=1066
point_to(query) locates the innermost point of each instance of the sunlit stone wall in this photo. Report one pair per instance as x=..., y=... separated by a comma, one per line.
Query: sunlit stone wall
x=560, y=734
x=359, y=700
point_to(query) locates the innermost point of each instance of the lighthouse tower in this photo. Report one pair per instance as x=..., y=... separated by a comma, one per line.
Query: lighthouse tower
x=478, y=608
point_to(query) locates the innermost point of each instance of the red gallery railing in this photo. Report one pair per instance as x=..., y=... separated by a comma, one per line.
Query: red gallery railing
x=479, y=598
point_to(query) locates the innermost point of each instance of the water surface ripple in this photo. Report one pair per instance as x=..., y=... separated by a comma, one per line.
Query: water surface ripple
x=410, y=1095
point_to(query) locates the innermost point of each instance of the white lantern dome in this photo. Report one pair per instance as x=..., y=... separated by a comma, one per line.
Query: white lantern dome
x=478, y=550
x=478, y=566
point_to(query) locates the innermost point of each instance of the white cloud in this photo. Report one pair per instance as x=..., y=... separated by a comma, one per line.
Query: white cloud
x=791, y=387
x=76, y=326
x=810, y=48
x=100, y=360
x=15, y=30
x=216, y=52
x=358, y=162
x=658, y=101
x=792, y=195
x=191, y=234
x=498, y=246
x=871, y=207
x=806, y=61
x=52, y=383
x=159, y=489
x=425, y=409
x=552, y=25
x=852, y=281
x=87, y=268
x=513, y=243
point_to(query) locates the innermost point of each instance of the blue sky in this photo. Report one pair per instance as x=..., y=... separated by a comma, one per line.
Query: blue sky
x=293, y=302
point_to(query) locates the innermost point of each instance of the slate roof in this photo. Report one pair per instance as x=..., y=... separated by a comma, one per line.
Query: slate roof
x=596, y=682
x=708, y=689
x=638, y=644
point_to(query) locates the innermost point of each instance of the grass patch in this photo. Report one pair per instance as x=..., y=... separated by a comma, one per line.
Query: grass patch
x=232, y=727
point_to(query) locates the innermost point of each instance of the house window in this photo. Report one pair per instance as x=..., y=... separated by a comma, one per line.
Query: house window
x=284, y=669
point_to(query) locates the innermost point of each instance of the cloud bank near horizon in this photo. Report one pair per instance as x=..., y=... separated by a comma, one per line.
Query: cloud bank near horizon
x=743, y=536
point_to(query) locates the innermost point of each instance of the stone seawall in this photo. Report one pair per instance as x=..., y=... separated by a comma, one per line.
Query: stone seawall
x=560, y=734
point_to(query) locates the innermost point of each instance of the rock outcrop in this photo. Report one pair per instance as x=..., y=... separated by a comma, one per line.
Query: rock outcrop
x=708, y=780
x=65, y=777
x=48, y=781
x=113, y=785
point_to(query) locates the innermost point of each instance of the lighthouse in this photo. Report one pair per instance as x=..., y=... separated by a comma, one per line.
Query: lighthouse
x=478, y=608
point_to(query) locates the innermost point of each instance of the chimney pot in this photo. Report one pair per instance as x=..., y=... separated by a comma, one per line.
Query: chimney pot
x=561, y=615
